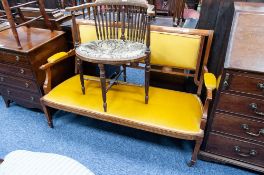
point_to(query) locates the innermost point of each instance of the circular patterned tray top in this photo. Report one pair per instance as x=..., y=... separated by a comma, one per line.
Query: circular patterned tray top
x=111, y=50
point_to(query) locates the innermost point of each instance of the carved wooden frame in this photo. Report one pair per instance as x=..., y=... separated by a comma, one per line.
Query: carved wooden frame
x=198, y=77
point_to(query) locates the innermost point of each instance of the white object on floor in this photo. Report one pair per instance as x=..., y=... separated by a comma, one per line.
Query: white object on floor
x=34, y=163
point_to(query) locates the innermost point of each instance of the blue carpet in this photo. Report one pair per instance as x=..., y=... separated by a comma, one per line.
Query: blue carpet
x=106, y=149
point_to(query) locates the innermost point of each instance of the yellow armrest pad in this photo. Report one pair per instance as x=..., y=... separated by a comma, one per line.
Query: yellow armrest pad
x=210, y=81
x=57, y=56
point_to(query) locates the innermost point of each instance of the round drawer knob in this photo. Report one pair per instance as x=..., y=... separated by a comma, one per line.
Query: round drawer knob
x=1, y=79
x=260, y=86
x=17, y=58
x=26, y=85
x=22, y=71
x=32, y=98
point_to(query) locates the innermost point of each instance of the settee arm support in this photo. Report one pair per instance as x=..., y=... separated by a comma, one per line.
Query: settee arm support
x=210, y=84
x=53, y=60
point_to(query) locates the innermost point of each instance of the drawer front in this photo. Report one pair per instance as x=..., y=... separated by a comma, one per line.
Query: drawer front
x=13, y=59
x=239, y=126
x=242, y=105
x=236, y=149
x=16, y=71
x=16, y=94
x=19, y=82
x=245, y=83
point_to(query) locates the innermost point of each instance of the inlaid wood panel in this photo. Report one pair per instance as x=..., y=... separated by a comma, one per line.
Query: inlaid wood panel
x=239, y=126
x=246, y=83
x=242, y=105
x=236, y=149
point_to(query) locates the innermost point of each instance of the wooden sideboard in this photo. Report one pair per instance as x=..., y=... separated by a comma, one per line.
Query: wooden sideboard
x=235, y=133
x=20, y=78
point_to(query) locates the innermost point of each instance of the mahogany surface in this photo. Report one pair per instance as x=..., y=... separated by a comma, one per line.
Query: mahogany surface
x=20, y=78
x=30, y=38
x=241, y=150
x=235, y=131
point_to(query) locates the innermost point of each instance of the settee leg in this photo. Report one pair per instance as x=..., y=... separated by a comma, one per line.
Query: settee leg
x=47, y=114
x=195, y=152
x=147, y=78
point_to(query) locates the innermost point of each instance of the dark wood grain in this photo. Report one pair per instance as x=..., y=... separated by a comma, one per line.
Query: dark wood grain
x=10, y=17
x=246, y=83
x=239, y=104
x=30, y=38
x=237, y=115
x=21, y=83
x=20, y=78
x=239, y=127
x=226, y=146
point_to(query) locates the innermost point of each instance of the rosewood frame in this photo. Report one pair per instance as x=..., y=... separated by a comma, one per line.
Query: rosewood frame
x=201, y=68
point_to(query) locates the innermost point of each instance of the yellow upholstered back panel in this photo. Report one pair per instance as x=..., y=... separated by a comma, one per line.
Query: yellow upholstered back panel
x=167, y=49
x=176, y=50
x=87, y=33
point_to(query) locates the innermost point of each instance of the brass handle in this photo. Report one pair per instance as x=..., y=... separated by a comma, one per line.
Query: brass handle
x=17, y=58
x=254, y=108
x=2, y=79
x=27, y=85
x=260, y=86
x=22, y=71
x=246, y=128
x=251, y=152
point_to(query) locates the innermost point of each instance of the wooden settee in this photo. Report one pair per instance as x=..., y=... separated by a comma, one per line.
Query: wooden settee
x=176, y=114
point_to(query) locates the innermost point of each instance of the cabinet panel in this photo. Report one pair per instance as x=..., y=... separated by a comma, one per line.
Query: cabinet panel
x=236, y=149
x=239, y=126
x=245, y=83
x=242, y=105
x=21, y=83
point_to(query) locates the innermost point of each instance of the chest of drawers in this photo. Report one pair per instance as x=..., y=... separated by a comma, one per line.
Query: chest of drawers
x=20, y=78
x=235, y=131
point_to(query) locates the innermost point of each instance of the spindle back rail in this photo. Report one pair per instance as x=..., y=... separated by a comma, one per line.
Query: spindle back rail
x=121, y=20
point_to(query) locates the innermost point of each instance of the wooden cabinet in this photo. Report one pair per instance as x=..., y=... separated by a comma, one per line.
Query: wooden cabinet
x=235, y=132
x=20, y=78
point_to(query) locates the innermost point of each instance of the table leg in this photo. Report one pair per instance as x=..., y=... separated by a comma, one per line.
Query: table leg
x=103, y=85
x=124, y=73
x=147, y=77
x=79, y=62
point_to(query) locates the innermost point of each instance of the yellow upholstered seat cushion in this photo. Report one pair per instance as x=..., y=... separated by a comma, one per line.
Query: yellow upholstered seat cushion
x=57, y=56
x=173, y=110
